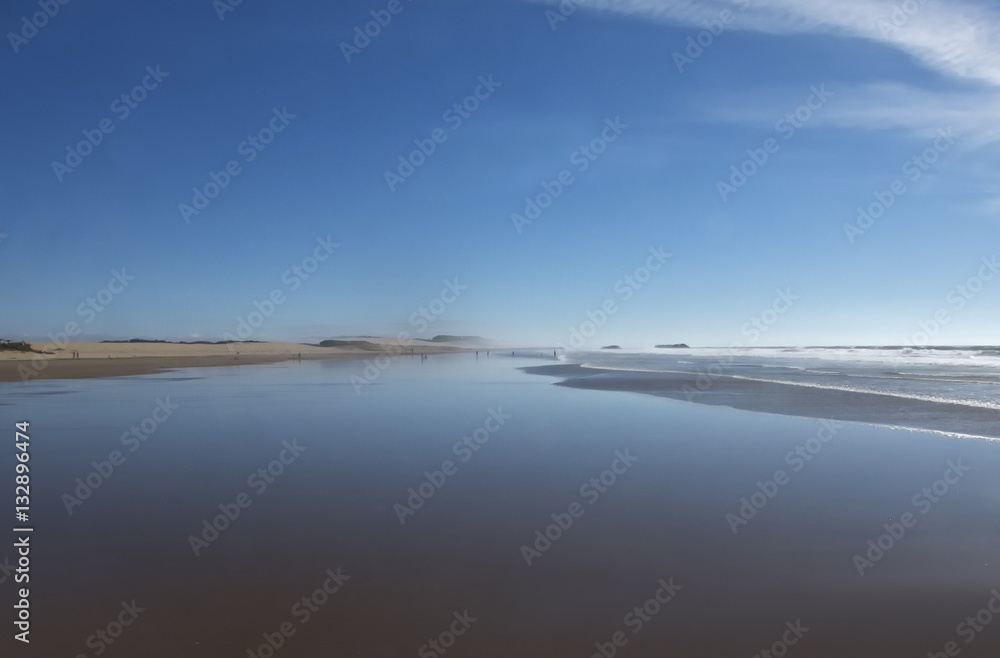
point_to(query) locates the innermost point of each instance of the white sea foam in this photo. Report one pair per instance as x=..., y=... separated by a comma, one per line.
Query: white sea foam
x=937, y=356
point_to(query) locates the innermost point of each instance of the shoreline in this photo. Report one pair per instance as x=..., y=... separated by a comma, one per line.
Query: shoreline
x=98, y=360
x=666, y=511
x=788, y=400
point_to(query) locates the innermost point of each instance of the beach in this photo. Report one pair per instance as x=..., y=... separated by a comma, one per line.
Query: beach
x=461, y=494
x=128, y=358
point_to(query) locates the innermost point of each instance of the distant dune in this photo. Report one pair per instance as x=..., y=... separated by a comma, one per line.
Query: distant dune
x=463, y=340
x=133, y=357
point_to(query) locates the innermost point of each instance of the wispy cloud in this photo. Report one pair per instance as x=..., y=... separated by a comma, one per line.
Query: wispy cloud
x=881, y=106
x=957, y=38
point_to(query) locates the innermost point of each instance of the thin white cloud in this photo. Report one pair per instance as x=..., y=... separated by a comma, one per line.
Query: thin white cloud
x=972, y=115
x=919, y=112
x=955, y=37
x=959, y=39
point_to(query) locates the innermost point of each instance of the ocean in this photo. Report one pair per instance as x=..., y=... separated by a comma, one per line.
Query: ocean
x=952, y=390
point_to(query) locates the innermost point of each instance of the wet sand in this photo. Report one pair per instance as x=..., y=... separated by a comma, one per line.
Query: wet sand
x=785, y=399
x=664, y=517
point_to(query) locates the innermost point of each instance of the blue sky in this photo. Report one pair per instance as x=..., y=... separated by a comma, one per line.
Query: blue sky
x=891, y=88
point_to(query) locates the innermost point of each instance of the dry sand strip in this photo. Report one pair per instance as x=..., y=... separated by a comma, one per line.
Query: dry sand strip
x=117, y=359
